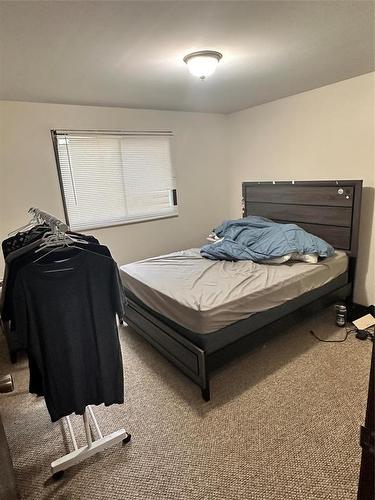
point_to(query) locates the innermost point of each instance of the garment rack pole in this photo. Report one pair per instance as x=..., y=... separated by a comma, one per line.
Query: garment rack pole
x=71, y=432
x=93, y=446
x=95, y=422
x=87, y=429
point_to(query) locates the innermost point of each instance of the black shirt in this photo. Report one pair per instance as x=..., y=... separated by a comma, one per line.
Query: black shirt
x=66, y=313
x=22, y=239
x=26, y=255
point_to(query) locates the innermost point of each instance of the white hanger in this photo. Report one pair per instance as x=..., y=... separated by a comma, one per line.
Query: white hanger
x=32, y=223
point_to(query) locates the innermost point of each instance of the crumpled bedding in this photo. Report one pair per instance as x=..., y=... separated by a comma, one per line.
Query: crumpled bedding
x=257, y=238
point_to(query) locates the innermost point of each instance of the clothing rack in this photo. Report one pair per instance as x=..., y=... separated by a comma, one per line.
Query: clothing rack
x=101, y=442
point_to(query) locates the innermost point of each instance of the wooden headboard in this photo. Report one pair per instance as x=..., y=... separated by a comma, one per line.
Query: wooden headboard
x=328, y=209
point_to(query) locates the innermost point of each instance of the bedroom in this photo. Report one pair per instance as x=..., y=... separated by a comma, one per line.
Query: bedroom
x=290, y=105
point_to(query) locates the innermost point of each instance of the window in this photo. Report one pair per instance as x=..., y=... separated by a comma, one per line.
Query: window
x=111, y=178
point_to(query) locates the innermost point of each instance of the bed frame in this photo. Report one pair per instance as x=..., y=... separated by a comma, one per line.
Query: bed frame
x=328, y=209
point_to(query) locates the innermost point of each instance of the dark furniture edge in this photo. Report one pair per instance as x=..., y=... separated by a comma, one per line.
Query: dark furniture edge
x=8, y=486
x=366, y=482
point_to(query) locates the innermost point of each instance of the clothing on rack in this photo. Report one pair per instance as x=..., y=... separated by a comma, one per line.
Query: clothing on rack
x=66, y=314
x=62, y=303
x=23, y=238
x=21, y=257
x=8, y=310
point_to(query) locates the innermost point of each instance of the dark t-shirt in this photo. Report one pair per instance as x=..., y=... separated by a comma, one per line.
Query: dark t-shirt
x=22, y=239
x=26, y=255
x=66, y=314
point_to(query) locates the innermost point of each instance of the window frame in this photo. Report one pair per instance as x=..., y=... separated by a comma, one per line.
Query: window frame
x=55, y=133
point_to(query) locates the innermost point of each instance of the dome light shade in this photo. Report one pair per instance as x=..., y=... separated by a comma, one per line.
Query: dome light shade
x=202, y=63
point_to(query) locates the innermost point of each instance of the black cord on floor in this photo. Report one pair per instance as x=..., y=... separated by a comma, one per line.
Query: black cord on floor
x=347, y=333
x=370, y=335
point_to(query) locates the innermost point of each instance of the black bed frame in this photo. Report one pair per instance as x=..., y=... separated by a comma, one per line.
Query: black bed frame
x=328, y=209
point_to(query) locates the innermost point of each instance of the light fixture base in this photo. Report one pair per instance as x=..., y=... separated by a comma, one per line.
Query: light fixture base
x=209, y=53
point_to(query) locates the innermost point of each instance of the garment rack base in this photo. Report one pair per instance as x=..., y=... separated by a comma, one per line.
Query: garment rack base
x=93, y=446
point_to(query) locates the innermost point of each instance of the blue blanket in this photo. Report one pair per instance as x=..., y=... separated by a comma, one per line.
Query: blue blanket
x=256, y=238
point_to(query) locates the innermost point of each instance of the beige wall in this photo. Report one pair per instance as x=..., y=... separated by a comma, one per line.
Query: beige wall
x=327, y=133
x=29, y=175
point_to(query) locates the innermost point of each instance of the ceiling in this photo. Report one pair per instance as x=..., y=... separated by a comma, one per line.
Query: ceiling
x=130, y=53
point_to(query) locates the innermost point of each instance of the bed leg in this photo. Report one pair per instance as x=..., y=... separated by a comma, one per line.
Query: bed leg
x=206, y=392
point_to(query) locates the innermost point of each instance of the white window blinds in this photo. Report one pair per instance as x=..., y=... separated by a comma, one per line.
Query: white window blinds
x=114, y=178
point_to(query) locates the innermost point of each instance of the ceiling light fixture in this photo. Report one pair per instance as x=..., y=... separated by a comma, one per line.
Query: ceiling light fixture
x=202, y=63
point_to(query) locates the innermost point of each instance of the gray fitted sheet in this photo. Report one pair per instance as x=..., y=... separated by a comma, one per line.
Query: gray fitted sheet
x=205, y=295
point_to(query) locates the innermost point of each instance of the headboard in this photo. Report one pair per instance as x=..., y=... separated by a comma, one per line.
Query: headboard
x=328, y=209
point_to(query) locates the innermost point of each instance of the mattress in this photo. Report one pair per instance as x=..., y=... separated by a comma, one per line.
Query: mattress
x=205, y=295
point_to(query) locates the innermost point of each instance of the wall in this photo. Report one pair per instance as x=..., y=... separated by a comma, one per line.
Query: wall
x=327, y=133
x=29, y=175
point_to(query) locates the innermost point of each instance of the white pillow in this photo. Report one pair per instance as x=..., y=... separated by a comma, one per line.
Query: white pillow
x=277, y=260
x=310, y=258
x=213, y=238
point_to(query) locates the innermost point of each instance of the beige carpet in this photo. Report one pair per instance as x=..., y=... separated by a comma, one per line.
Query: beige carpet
x=282, y=425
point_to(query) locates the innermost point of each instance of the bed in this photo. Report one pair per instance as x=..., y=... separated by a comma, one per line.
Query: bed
x=200, y=313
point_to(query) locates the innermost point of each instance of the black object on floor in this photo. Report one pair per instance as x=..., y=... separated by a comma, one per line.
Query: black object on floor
x=356, y=311
x=362, y=335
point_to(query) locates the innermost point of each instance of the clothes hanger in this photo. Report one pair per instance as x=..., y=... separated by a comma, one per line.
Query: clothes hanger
x=32, y=223
x=61, y=241
x=55, y=238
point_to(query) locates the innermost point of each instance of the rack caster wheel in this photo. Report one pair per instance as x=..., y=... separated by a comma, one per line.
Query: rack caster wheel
x=127, y=439
x=57, y=475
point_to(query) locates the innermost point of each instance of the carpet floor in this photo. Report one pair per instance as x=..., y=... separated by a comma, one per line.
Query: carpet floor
x=282, y=424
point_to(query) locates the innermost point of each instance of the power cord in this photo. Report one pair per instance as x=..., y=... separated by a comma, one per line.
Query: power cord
x=348, y=332
x=360, y=334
